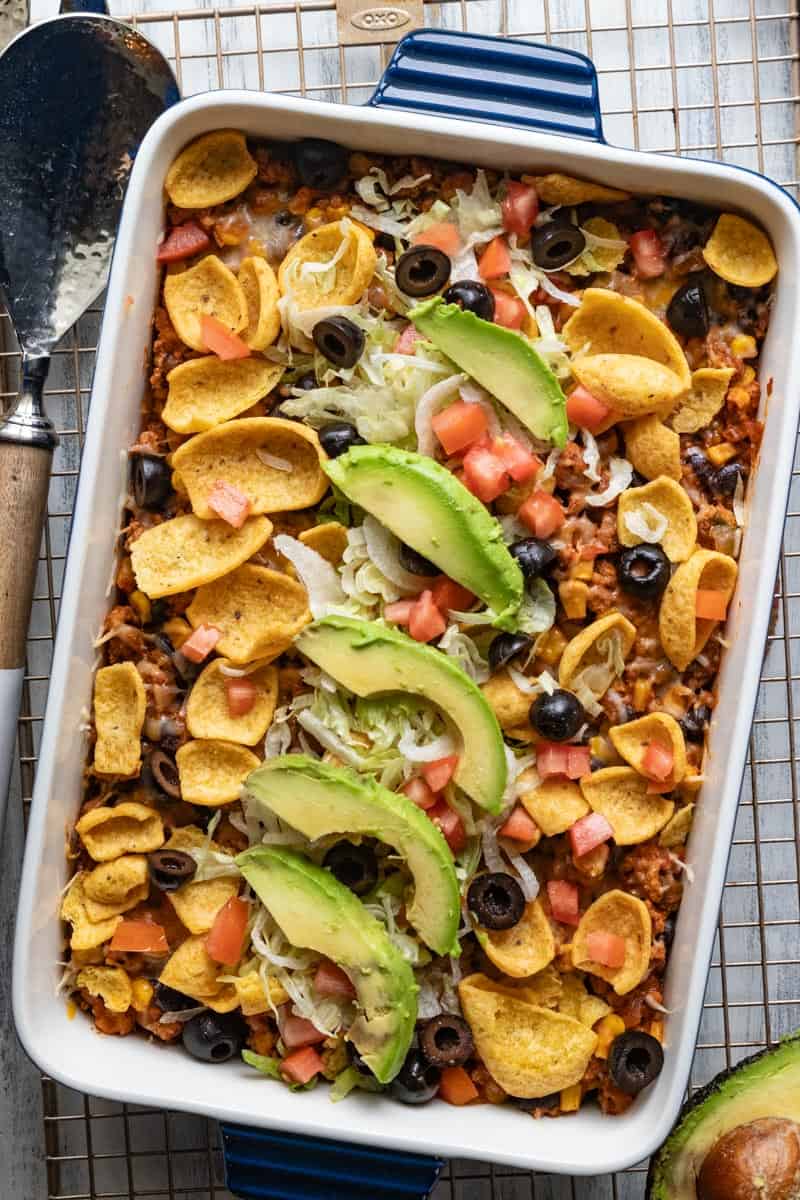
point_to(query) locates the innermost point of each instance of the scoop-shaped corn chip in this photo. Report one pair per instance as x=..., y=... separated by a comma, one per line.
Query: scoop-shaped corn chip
x=186, y=553
x=252, y=995
x=212, y=772
x=632, y=739
x=653, y=448
x=204, y=392
x=208, y=713
x=197, y=903
x=565, y=190
x=259, y=611
x=115, y=887
x=704, y=399
x=111, y=984
x=740, y=252
x=577, y=1002
x=529, y=1050
x=677, y=830
x=210, y=170
x=683, y=634
x=598, y=257
x=525, y=948
x=629, y=384
x=261, y=293
x=239, y=453
x=606, y=640
x=508, y=702
x=192, y=971
x=128, y=828
x=555, y=804
x=624, y=915
x=642, y=512
x=620, y=794
x=543, y=988
x=188, y=837
x=209, y=288
x=329, y=540
x=119, y=708
x=86, y=934
x=331, y=265
x=610, y=323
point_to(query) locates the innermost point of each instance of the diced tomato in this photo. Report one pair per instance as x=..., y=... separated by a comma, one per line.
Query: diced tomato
x=520, y=463
x=331, y=980
x=564, y=901
x=221, y=341
x=419, y=791
x=590, y=831
x=448, y=594
x=579, y=760
x=451, y=825
x=139, y=937
x=407, y=340
x=224, y=942
x=302, y=1066
x=437, y=774
x=648, y=253
x=495, y=260
x=199, y=644
x=182, y=242
x=485, y=475
x=443, y=235
x=520, y=207
x=459, y=426
x=241, y=695
x=399, y=611
x=606, y=948
x=585, y=410
x=509, y=311
x=519, y=825
x=710, y=606
x=425, y=621
x=297, y=1031
x=551, y=759
x=229, y=503
x=456, y=1087
x=658, y=761
x=542, y=513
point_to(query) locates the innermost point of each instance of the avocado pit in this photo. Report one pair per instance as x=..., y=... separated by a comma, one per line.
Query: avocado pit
x=756, y=1161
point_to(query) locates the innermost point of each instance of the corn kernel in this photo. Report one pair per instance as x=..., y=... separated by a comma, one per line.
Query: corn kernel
x=570, y=1098
x=142, y=991
x=550, y=646
x=607, y=1029
x=177, y=630
x=657, y=1029
x=740, y=397
x=573, y=594
x=722, y=453
x=313, y=217
x=582, y=569
x=601, y=748
x=748, y=375
x=642, y=691
x=744, y=346
x=141, y=606
x=530, y=327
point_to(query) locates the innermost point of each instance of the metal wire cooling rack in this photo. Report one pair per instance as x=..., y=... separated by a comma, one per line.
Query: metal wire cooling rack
x=714, y=78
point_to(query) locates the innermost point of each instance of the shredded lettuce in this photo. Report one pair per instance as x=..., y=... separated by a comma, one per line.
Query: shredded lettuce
x=349, y=1080
x=537, y=612
x=479, y=217
x=270, y=1067
x=463, y=649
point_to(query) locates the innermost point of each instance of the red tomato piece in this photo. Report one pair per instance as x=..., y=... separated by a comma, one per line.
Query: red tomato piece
x=399, y=611
x=302, y=1066
x=183, y=241
x=551, y=759
x=451, y=825
x=419, y=791
x=221, y=341
x=590, y=831
x=520, y=463
x=331, y=980
x=425, y=621
x=710, y=606
x=485, y=475
x=229, y=503
x=509, y=311
x=579, y=759
x=224, y=942
x=139, y=937
x=199, y=644
x=442, y=235
x=542, y=513
x=648, y=253
x=456, y=1087
x=585, y=410
x=448, y=594
x=241, y=695
x=564, y=901
x=407, y=340
x=495, y=260
x=606, y=948
x=297, y=1031
x=459, y=426
x=438, y=774
x=520, y=207
x=658, y=761
x=519, y=825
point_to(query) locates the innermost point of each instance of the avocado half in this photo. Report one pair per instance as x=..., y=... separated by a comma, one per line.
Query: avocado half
x=316, y=912
x=765, y=1085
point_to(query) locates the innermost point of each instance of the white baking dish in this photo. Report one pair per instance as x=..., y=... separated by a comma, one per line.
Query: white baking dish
x=130, y=1069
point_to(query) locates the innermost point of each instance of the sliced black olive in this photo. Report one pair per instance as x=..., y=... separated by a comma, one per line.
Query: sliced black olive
x=668, y=933
x=557, y=717
x=506, y=646
x=533, y=555
x=338, y=436
x=171, y=1000
x=340, y=340
x=187, y=669
x=416, y=1082
x=634, y=1060
x=416, y=563
x=152, y=480
x=644, y=571
x=446, y=1040
x=354, y=866
x=320, y=164
x=687, y=311
x=213, y=1037
x=165, y=773
x=699, y=463
x=422, y=270
x=473, y=297
x=695, y=722
x=307, y=382
x=170, y=868
x=554, y=245
x=528, y=1104
x=496, y=900
x=357, y=1061
x=384, y=241
x=284, y=218
x=724, y=480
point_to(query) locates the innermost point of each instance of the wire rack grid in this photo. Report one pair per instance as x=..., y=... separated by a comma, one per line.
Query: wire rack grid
x=713, y=78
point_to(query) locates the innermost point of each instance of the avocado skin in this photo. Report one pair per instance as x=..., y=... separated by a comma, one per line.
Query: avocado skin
x=658, y=1185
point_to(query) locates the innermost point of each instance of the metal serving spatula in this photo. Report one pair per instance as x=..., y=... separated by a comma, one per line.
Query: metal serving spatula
x=77, y=95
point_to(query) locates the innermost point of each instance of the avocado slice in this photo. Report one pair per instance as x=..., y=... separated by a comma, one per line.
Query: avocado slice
x=318, y=799
x=503, y=362
x=765, y=1085
x=430, y=510
x=369, y=658
x=316, y=912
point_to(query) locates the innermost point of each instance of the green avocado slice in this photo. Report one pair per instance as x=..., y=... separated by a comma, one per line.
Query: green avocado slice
x=430, y=510
x=318, y=799
x=765, y=1085
x=369, y=658
x=501, y=361
x=316, y=912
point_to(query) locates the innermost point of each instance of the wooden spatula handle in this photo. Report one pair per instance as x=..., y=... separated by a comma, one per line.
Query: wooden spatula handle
x=24, y=475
